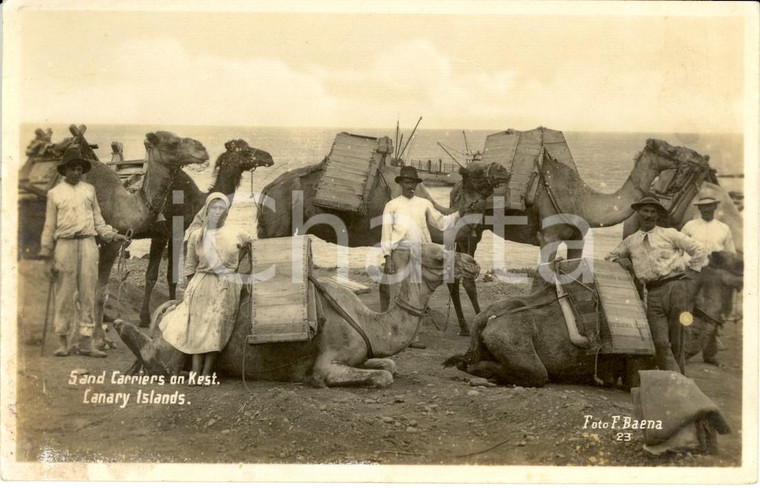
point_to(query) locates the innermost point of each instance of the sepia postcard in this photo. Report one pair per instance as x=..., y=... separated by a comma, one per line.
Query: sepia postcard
x=394, y=242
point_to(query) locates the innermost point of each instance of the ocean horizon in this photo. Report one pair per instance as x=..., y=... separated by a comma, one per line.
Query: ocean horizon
x=604, y=161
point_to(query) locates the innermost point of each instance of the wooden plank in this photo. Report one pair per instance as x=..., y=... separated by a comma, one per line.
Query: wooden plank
x=355, y=287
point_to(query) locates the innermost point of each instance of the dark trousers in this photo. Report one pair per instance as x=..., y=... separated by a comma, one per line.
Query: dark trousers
x=667, y=305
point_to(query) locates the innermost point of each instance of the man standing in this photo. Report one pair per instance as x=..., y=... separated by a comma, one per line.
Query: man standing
x=72, y=220
x=405, y=220
x=715, y=236
x=712, y=233
x=656, y=257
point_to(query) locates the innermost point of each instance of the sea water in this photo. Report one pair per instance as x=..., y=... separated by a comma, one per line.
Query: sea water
x=604, y=161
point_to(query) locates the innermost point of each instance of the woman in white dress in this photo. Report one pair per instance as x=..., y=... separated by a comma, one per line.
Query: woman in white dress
x=201, y=324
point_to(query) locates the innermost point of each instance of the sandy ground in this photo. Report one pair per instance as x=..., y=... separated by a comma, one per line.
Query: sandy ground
x=430, y=415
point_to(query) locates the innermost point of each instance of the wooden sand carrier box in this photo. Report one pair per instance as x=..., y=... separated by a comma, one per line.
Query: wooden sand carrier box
x=606, y=306
x=521, y=153
x=349, y=172
x=283, y=299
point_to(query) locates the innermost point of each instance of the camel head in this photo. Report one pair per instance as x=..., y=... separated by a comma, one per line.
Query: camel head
x=663, y=157
x=433, y=261
x=243, y=156
x=482, y=178
x=174, y=152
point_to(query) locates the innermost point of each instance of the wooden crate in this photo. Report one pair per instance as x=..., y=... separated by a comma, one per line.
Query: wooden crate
x=623, y=325
x=518, y=152
x=283, y=303
x=349, y=172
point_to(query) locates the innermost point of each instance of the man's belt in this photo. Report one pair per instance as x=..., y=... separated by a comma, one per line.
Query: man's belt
x=75, y=236
x=651, y=285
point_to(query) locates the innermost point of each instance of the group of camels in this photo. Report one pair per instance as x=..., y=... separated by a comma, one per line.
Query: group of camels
x=339, y=355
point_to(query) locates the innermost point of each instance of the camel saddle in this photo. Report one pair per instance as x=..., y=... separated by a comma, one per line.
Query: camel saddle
x=521, y=153
x=606, y=305
x=349, y=172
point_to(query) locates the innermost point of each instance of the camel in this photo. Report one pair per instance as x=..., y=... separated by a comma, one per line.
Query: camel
x=337, y=355
x=361, y=230
x=718, y=280
x=561, y=191
x=137, y=211
x=531, y=346
x=228, y=171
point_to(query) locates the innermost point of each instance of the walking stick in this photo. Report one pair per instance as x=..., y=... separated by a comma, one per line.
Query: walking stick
x=47, y=316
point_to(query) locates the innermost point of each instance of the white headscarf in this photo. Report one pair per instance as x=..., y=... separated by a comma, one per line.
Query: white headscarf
x=199, y=221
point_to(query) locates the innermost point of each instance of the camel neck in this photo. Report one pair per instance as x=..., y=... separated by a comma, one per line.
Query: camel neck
x=605, y=209
x=397, y=327
x=227, y=179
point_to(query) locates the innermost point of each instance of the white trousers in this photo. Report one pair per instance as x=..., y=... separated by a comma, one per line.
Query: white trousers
x=77, y=263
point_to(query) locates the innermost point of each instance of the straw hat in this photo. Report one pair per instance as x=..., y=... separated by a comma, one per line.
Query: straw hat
x=706, y=201
x=649, y=200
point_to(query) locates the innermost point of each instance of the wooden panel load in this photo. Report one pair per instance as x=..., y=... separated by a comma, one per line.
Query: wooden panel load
x=622, y=322
x=349, y=172
x=519, y=152
x=283, y=300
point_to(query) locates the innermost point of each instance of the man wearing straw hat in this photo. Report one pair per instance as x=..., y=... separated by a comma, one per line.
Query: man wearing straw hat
x=656, y=257
x=72, y=220
x=715, y=236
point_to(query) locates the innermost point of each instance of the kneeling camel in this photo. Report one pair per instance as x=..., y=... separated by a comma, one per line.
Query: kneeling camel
x=338, y=355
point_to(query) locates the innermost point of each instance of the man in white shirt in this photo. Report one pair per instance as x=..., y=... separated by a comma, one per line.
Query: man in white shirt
x=656, y=256
x=712, y=233
x=72, y=221
x=715, y=236
x=405, y=220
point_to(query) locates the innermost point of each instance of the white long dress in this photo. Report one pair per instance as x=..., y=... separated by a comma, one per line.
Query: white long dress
x=203, y=321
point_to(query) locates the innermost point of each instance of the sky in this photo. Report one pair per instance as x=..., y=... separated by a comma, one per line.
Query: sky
x=471, y=70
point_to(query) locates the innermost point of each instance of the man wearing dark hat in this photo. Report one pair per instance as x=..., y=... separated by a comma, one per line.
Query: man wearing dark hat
x=72, y=221
x=656, y=257
x=715, y=236
x=405, y=220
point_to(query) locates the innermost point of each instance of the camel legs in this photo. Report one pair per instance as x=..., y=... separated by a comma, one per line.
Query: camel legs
x=337, y=374
x=380, y=363
x=472, y=294
x=157, y=245
x=108, y=254
x=171, y=258
x=513, y=347
x=468, y=245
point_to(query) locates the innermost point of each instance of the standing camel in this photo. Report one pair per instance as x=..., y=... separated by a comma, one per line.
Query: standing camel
x=560, y=191
x=337, y=355
x=277, y=220
x=137, y=212
x=228, y=170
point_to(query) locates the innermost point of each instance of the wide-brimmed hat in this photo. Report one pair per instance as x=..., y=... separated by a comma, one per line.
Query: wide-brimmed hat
x=706, y=201
x=649, y=200
x=408, y=173
x=72, y=155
